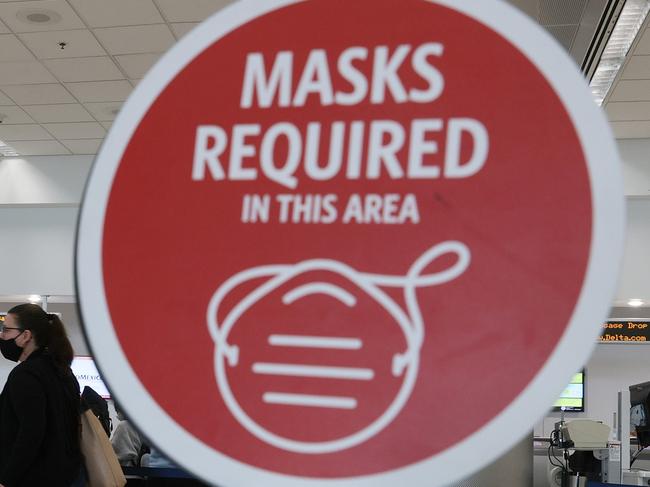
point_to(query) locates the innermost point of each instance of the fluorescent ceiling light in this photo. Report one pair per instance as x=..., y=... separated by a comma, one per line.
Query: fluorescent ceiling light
x=6, y=150
x=635, y=302
x=34, y=298
x=627, y=27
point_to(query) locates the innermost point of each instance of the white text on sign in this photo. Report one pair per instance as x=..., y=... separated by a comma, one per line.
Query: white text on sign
x=371, y=208
x=244, y=151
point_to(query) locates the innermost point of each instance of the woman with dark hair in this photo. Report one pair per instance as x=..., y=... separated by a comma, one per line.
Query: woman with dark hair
x=39, y=405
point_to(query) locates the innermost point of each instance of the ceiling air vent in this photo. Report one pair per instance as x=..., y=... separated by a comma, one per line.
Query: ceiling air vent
x=581, y=26
x=610, y=14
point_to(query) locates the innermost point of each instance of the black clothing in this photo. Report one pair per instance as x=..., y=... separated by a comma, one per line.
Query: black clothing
x=93, y=401
x=39, y=425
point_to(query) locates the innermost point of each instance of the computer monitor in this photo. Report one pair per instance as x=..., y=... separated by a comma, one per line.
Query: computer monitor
x=84, y=369
x=640, y=412
x=573, y=396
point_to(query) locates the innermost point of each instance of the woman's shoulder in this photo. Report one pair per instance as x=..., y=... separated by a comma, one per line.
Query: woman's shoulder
x=34, y=362
x=33, y=366
x=40, y=372
x=22, y=375
x=30, y=366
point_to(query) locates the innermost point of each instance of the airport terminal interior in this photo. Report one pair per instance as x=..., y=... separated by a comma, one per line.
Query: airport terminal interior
x=68, y=66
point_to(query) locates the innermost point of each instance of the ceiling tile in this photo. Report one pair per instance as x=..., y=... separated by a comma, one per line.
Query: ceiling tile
x=13, y=114
x=100, y=91
x=136, y=65
x=182, y=28
x=40, y=148
x=107, y=125
x=630, y=130
x=3, y=29
x=71, y=112
x=24, y=72
x=74, y=131
x=11, y=49
x=84, y=69
x=10, y=133
x=631, y=90
x=102, y=13
x=190, y=10
x=564, y=34
x=39, y=94
x=83, y=146
x=103, y=112
x=628, y=110
x=643, y=46
x=637, y=67
x=562, y=12
x=5, y=100
x=136, y=39
x=78, y=43
x=32, y=16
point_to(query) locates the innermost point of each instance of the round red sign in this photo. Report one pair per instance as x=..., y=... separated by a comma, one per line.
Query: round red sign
x=347, y=242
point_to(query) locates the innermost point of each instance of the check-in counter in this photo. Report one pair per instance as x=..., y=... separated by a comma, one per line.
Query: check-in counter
x=542, y=466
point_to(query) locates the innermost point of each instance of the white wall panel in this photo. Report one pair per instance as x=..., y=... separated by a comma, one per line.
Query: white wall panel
x=46, y=180
x=635, y=154
x=36, y=250
x=634, y=280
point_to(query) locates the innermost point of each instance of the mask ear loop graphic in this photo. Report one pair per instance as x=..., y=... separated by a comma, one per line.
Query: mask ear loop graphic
x=410, y=322
x=414, y=280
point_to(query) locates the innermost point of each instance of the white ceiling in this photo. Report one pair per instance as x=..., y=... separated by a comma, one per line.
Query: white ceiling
x=628, y=102
x=571, y=22
x=61, y=98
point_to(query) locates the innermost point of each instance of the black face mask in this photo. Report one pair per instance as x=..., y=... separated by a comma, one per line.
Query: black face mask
x=10, y=350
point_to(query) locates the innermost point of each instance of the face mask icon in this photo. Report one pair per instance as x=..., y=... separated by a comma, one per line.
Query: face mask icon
x=316, y=357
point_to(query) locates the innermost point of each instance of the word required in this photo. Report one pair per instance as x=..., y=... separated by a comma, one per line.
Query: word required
x=285, y=151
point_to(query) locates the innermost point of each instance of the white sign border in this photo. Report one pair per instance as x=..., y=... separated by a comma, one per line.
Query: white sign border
x=513, y=422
